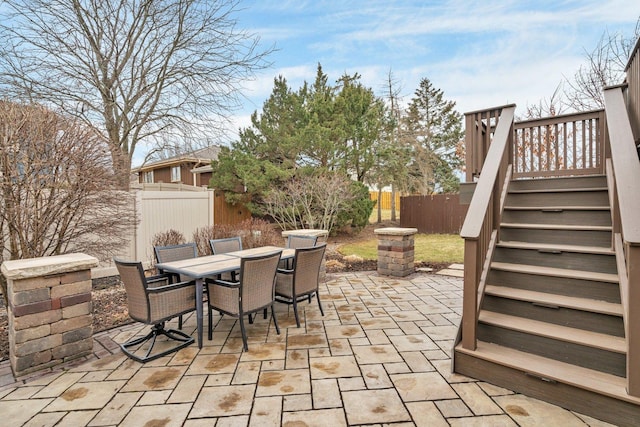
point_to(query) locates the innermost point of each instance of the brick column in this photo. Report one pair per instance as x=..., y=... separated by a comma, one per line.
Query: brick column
x=395, y=251
x=49, y=312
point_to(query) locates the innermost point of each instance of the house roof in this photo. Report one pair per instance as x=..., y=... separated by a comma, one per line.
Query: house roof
x=203, y=155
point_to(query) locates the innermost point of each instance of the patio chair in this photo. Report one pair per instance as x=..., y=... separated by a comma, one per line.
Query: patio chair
x=175, y=253
x=294, y=242
x=301, y=281
x=153, y=301
x=222, y=246
x=254, y=291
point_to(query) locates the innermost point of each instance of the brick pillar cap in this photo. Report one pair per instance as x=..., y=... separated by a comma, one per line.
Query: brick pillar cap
x=305, y=232
x=45, y=266
x=395, y=231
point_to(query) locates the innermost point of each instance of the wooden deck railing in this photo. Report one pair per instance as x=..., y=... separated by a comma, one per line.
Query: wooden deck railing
x=488, y=132
x=570, y=144
x=623, y=170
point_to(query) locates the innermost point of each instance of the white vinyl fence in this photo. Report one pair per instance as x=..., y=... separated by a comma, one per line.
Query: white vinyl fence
x=158, y=211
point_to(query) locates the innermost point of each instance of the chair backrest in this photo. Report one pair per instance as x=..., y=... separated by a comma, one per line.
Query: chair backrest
x=175, y=252
x=306, y=268
x=298, y=241
x=222, y=246
x=135, y=284
x=257, y=280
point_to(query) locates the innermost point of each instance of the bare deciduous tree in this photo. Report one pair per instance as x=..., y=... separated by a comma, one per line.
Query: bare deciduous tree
x=605, y=67
x=57, y=192
x=135, y=70
x=309, y=201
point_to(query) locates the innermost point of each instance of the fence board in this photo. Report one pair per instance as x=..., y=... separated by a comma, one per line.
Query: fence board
x=433, y=214
x=225, y=213
x=385, y=199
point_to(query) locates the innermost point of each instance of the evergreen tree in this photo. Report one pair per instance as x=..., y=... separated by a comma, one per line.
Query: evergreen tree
x=434, y=129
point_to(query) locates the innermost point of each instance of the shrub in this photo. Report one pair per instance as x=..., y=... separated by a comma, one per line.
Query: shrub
x=254, y=232
x=168, y=238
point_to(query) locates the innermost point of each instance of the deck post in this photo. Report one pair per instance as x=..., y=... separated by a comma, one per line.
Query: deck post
x=633, y=340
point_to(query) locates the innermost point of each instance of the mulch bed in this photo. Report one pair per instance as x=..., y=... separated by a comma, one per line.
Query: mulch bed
x=110, y=300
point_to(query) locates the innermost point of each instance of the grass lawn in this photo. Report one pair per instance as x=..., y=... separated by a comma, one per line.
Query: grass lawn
x=447, y=248
x=385, y=215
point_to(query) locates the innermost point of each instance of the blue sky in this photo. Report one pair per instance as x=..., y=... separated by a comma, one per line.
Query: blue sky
x=480, y=53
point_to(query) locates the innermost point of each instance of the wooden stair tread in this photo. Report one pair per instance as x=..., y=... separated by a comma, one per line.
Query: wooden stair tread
x=557, y=247
x=542, y=367
x=584, y=304
x=557, y=190
x=552, y=271
x=556, y=226
x=558, y=208
x=558, y=332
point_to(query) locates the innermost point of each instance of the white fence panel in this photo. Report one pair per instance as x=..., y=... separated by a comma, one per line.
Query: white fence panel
x=159, y=211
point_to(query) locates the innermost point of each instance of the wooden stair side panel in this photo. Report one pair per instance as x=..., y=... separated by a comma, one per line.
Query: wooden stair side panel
x=601, y=396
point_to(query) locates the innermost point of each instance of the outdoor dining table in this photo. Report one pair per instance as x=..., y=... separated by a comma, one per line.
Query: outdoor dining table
x=212, y=265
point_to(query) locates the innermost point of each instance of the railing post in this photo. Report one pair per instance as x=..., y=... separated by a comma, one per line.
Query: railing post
x=633, y=340
x=470, y=294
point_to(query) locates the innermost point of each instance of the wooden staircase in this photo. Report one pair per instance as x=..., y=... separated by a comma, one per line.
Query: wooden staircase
x=550, y=322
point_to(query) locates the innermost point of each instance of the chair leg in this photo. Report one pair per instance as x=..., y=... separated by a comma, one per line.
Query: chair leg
x=156, y=330
x=264, y=313
x=210, y=316
x=319, y=303
x=251, y=315
x=180, y=322
x=295, y=311
x=244, y=333
x=275, y=321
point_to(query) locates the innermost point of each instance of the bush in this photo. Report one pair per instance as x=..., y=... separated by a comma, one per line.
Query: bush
x=168, y=238
x=254, y=232
x=359, y=210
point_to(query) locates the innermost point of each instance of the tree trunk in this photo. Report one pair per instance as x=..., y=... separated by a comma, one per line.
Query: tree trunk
x=393, y=203
x=379, y=205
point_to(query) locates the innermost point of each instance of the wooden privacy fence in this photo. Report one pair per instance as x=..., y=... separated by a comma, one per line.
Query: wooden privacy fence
x=433, y=214
x=385, y=199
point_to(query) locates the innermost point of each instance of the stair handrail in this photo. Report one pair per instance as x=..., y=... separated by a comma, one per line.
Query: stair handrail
x=626, y=216
x=483, y=217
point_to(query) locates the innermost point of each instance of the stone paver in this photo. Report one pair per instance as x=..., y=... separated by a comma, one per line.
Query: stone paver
x=379, y=356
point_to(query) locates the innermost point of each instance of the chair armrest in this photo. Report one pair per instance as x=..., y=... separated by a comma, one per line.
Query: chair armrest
x=225, y=283
x=171, y=276
x=170, y=287
x=159, y=277
x=284, y=271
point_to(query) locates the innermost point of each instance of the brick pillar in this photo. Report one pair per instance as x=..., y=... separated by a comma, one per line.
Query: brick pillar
x=322, y=238
x=49, y=312
x=395, y=251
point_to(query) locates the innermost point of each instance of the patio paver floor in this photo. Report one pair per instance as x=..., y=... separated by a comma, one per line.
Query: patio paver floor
x=380, y=355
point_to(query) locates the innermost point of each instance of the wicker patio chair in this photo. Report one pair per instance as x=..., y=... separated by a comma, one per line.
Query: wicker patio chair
x=222, y=246
x=153, y=300
x=302, y=281
x=176, y=253
x=254, y=291
x=294, y=242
